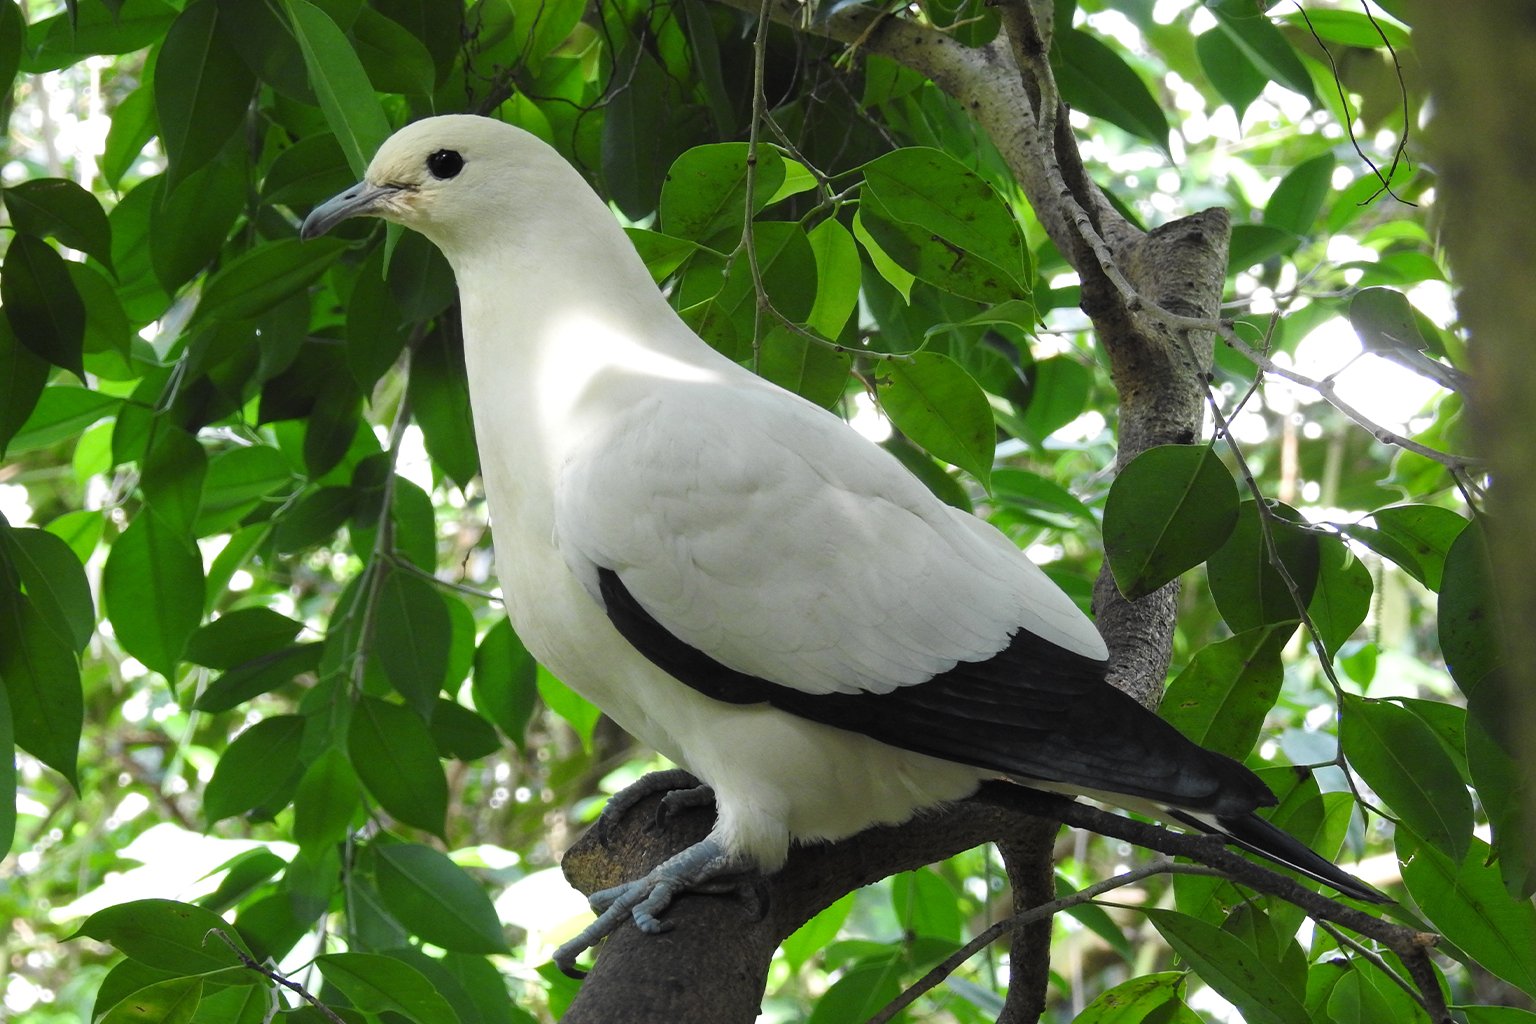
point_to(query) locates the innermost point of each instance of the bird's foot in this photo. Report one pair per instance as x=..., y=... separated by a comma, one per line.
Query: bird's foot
x=680, y=790
x=702, y=867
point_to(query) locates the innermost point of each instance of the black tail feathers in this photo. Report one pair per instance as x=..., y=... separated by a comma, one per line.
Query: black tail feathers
x=1256, y=835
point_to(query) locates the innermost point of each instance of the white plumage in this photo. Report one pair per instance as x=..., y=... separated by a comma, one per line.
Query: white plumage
x=781, y=567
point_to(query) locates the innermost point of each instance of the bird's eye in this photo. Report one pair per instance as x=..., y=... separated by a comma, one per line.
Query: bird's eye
x=445, y=163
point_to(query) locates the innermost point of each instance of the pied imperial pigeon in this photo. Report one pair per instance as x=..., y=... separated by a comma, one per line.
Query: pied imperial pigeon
x=737, y=577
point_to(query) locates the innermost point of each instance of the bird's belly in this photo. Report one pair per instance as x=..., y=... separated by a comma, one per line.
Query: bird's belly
x=777, y=778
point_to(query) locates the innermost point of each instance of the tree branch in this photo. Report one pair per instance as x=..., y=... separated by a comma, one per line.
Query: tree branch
x=713, y=964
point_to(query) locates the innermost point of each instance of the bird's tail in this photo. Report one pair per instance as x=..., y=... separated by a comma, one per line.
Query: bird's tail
x=1256, y=835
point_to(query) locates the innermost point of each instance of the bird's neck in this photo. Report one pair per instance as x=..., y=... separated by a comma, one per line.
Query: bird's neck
x=562, y=327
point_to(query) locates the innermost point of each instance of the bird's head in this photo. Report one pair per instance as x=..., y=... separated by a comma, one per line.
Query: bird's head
x=440, y=176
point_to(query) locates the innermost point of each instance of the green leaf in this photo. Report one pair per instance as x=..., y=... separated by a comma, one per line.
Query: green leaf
x=152, y=587
x=837, y=278
x=346, y=95
x=172, y=481
x=1167, y=512
x=1223, y=694
x=237, y=479
x=799, y=365
x=7, y=774
x=1236, y=78
x=1253, y=244
x=817, y=934
x=314, y=518
x=412, y=635
x=42, y=304
x=62, y=412
x=639, y=138
x=1352, y=28
x=862, y=990
x=1502, y=783
x=396, y=759
x=375, y=323
x=504, y=683
x=893, y=274
x=1426, y=532
x=1095, y=79
x=943, y=223
x=54, y=581
x=439, y=390
x=133, y=125
x=333, y=424
x=1469, y=616
x=1401, y=759
x=311, y=170
x=941, y=408
x=244, y=873
x=580, y=713
x=927, y=905
x=1248, y=589
x=1343, y=595
x=662, y=254
x=108, y=342
x=13, y=30
x=254, y=768
x=260, y=278
x=1058, y=393
x=1299, y=197
x=1496, y=1015
x=460, y=733
x=23, y=374
x=192, y=222
x=240, y=636
x=327, y=801
x=1250, y=28
x=705, y=193
x=394, y=60
x=202, y=89
x=41, y=678
x=88, y=29
x=437, y=900
x=58, y=207
x=1039, y=500
x=1132, y=1002
x=1466, y=903
x=245, y=1005
x=1384, y=320
x=257, y=676
x=723, y=309
x=1233, y=968
x=380, y=984
x=172, y=1001
x=172, y=936
x=143, y=297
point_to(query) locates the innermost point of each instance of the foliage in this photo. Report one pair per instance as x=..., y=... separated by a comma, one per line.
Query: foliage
x=244, y=581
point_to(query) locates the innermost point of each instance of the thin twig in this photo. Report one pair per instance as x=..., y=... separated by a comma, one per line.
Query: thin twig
x=1373, y=958
x=748, y=236
x=1349, y=118
x=951, y=963
x=407, y=566
x=272, y=975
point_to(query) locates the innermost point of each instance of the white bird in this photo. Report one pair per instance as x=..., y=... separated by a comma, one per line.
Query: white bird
x=737, y=577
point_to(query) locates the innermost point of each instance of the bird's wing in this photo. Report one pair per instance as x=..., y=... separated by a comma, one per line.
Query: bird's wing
x=758, y=550
x=766, y=534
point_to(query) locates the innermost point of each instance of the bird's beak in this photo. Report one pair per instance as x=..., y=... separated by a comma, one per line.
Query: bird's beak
x=362, y=199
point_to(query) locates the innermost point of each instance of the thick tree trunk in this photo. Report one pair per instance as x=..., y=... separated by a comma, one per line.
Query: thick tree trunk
x=713, y=965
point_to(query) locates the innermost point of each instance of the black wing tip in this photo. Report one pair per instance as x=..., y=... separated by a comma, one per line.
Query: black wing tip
x=1259, y=836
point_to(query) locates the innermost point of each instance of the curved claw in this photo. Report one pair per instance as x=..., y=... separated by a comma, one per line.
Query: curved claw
x=674, y=782
x=646, y=899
